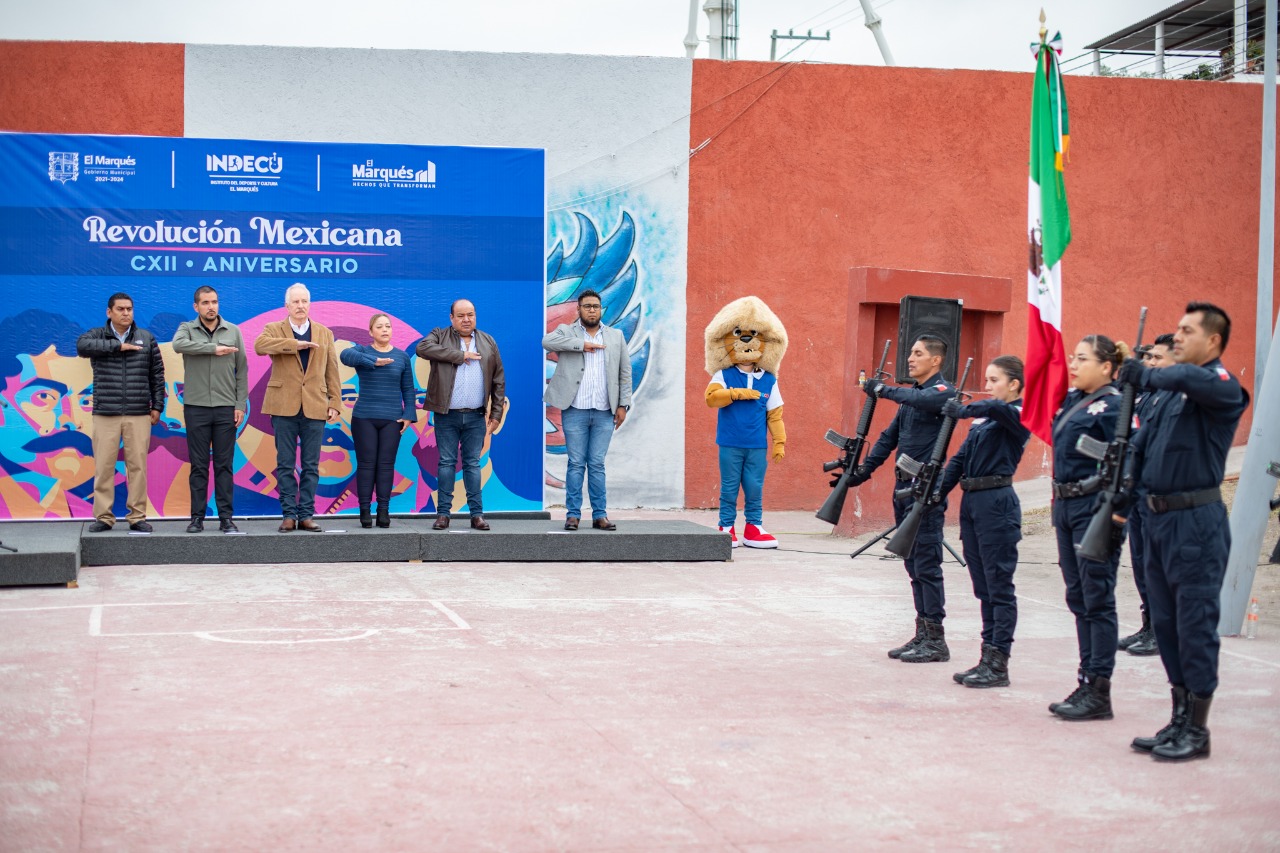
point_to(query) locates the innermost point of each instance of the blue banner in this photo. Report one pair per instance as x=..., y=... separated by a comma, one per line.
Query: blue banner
x=396, y=229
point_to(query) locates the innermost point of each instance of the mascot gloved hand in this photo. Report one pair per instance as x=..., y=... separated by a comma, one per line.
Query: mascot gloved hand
x=745, y=343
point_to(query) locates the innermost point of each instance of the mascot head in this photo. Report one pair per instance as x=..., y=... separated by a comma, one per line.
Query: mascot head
x=745, y=332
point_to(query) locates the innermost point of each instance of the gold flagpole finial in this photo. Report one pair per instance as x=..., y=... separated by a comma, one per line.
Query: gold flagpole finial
x=1043, y=31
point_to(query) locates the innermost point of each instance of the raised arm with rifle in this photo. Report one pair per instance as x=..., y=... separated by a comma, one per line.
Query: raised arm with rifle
x=925, y=486
x=1104, y=534
x=851, y=450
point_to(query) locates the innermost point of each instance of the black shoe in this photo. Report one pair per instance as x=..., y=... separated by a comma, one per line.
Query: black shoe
x=366, y=520
x=932, y=648
x=1092, y=701
x=384, y=514
x=1136, y=636
x=140, y=527
x=226, y=525
x=99, y=527
x=959, y=677
x=1177, y=720
x=909, y=644
x=1192, y=740
x=1145, y=645
x=992, y=672
x=196, y=525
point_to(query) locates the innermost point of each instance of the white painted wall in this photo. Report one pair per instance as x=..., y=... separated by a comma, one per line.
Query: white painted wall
x=616, y=133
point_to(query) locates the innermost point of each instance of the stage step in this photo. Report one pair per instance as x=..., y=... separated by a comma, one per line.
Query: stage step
x=48, y=552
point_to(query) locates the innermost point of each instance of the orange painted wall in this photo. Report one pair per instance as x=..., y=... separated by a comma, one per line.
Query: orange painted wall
x=91, y=87
x=832, y=167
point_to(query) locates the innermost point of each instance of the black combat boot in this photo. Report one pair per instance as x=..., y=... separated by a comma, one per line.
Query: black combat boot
x=1140, y=634
x=1146, y=643
x=1176, y=721
x=959, y=677
x=993, y=672
x=932, y=648
x=1075, y=694
x=366, y=520
x=909, y=644
x=1192, y=740
x=384, y=514
x=1091, y=703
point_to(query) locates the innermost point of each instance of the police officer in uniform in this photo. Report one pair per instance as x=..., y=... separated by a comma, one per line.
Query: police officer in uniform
x=1181, y=456
x=913, y=431
x=1143, y=642
x=1090, y=408
x=990, y=513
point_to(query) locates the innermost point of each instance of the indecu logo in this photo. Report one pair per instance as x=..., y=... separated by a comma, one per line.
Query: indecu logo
x=64, y=166
x=244, y=164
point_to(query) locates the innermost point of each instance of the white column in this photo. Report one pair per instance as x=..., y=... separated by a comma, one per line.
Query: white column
x=1240, y=36
x=691, y=37
x=1160, y=48
x=1097, y=63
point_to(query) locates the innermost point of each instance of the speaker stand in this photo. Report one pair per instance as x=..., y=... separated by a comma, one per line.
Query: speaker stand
x=945, y=544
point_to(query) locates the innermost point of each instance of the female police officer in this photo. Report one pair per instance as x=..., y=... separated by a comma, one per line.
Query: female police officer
x=1090, y=408
x=990, y=514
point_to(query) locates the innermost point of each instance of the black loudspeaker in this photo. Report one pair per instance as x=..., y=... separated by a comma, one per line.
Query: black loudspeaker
x=926, y=315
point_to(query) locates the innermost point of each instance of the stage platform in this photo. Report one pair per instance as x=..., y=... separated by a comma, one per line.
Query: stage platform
x=52, y=552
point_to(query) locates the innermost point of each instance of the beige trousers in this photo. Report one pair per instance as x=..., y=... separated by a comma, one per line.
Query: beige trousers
x=108, y=432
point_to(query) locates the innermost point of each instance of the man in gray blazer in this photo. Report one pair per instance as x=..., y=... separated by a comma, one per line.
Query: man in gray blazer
x=592, y=389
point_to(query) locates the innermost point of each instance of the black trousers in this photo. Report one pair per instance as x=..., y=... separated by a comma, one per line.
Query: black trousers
x=990, y=528
x=924, y=563
x=376, y=443
x=1091, y=587
x=211, y=426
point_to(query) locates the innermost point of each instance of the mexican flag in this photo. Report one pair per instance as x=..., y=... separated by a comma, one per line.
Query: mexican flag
x=1048, y=235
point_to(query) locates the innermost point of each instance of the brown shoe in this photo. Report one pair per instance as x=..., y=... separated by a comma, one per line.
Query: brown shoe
x=571, y=523
x=478, y=523
x=603, y=524
x=288, y=525
x=310, y=526
x=442, y=521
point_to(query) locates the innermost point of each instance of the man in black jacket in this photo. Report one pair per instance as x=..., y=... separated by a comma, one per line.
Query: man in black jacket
x=128, y=397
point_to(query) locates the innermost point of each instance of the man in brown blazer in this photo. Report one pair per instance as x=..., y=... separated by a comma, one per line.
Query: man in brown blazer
x=303, y=392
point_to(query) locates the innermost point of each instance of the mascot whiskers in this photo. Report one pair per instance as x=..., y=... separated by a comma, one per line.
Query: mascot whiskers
x=745, y=343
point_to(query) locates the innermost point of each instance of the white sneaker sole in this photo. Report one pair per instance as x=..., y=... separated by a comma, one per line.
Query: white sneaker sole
x=751, y=544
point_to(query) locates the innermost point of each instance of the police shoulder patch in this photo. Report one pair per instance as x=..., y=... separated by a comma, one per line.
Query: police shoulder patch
x=939, y=387
x=1222, y=373
x=1097, y=407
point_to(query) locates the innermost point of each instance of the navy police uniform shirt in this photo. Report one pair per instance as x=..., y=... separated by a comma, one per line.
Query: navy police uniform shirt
x=914, y=428
x=994, y=445
x=1098, y=420
x=1183, y=445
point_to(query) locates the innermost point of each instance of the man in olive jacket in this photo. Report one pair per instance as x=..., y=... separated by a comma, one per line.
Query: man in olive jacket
x=465, y=391
x=128, y=397
x=303, y=392
x=215, y=396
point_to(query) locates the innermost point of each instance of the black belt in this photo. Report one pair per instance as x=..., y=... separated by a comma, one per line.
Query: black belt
x=465, y=411
x=981, y=484
x=1077, y=489
x=1183, y=500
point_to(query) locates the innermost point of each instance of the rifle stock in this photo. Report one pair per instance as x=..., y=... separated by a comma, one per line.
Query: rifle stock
x=1099, y=536
x=851, y=458
x=927, y=481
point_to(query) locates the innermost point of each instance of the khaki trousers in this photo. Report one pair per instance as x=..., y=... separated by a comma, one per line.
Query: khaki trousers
x=108, y=431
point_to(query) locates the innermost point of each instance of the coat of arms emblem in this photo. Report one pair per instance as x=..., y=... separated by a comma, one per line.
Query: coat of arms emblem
x=64, y=166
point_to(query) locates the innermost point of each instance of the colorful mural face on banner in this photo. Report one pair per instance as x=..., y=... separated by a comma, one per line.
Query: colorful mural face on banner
x=381, y=241
x=608, y=267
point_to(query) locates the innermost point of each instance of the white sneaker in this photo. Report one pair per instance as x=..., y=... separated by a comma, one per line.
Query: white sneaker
x=758, y=537
x=733, y=536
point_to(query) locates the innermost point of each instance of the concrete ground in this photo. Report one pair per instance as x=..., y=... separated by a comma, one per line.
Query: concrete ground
x=589, y=707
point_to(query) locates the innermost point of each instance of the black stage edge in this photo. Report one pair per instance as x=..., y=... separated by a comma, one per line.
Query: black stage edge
x=47, y=553
x=510, y=540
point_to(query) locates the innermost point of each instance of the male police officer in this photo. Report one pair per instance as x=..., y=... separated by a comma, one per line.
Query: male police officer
x=913, y=431
x=1143, y=642
x=1181, y=455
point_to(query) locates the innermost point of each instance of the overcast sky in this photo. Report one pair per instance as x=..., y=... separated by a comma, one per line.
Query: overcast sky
x=985, y=34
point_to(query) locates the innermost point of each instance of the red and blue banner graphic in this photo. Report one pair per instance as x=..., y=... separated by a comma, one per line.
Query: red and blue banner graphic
x=395, y=229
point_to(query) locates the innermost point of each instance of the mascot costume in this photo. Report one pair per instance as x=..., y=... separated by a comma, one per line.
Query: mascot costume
x=745, y=343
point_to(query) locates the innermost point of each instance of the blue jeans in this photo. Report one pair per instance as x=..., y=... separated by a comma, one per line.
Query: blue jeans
x=587, y=433
x=468, y=430
x=742, y=467
x=297, y=493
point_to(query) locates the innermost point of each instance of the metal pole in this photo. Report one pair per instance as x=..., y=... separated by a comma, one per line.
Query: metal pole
x=1250, y=509
x=1159, y=48
x=873, y=24
x=1240, y=32
x=1097, y=63
x=773, y=46
x=691, y=37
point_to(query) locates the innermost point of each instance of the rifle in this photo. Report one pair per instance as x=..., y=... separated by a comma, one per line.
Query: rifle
x=927, y=480
x=851, y=450
x=1100, y=536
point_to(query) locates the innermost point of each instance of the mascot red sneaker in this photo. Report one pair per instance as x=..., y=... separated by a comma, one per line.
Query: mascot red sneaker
x=745, y=343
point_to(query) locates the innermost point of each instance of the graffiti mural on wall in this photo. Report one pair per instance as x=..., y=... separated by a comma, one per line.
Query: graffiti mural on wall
x=610, y=268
